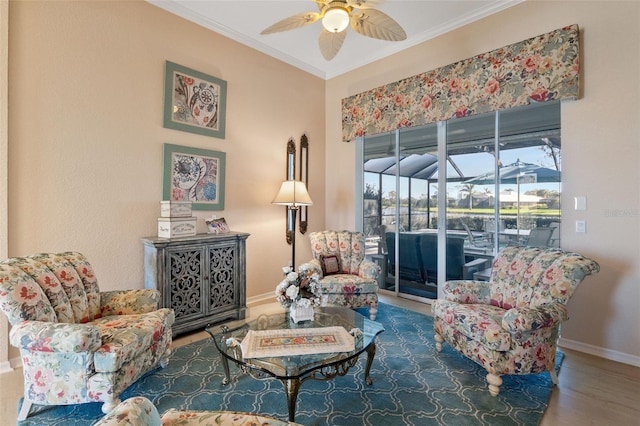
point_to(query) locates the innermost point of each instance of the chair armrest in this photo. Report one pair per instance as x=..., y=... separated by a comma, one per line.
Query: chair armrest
x=55, y=337
x=467, y=291
x=369, y=270
x=529, y=319
x=476, y=265
x=313, y=265
x=128, y=302
x=135, y=411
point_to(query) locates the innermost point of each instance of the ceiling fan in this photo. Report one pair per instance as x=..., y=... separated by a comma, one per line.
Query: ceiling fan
x=336, y=15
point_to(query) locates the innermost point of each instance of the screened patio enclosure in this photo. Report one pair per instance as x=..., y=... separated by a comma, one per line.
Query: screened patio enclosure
x=444, y=224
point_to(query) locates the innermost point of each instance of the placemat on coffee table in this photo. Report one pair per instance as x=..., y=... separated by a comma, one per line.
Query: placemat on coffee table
x=297, y=341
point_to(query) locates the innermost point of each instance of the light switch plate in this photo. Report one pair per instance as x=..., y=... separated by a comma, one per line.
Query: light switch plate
x=581, y=203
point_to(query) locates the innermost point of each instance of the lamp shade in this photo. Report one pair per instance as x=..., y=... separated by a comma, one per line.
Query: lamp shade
x=293, y=193
x=336, y=19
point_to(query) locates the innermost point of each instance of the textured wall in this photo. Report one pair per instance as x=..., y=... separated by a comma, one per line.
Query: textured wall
x=4, y=173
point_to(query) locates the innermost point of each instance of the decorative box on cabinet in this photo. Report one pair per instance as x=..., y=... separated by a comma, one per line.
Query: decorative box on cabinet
x=202, y=277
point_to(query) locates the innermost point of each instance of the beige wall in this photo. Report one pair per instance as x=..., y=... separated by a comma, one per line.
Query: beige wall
x=86, y=138
x=600, y=134
x=4, y=153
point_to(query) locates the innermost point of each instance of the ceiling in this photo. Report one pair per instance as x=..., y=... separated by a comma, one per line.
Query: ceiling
x=243, y=20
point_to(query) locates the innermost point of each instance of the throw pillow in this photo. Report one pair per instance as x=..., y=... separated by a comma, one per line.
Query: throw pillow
x=330, y=264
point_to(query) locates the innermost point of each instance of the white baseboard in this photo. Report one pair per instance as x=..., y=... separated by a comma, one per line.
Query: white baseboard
x=5, y=367
x=261, y=298
x=600, y=352
x=16, y=362
x=9, y=366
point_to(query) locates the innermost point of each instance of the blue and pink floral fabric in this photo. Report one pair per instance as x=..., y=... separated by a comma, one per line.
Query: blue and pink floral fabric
x=510, y=325
x=356, y=286
x=139, y=411
x=542, y=68
x=78, y=344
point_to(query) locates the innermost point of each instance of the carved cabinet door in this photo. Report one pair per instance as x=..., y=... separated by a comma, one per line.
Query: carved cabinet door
x=223, y=276
x=187, y=274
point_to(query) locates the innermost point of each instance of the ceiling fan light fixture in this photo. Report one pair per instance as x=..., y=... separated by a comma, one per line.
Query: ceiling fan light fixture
x=336, y=19
x=336, y=16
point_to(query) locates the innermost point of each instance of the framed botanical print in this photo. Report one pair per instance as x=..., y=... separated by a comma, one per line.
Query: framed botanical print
x=194, y=101
x=193, y=174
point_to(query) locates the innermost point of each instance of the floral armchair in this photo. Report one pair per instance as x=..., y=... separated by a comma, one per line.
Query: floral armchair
x=139, y=411
x=511, y=324
x=78, y=344
x=346, y=278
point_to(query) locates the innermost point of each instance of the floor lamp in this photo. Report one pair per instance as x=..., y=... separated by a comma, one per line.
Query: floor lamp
x=293, y=194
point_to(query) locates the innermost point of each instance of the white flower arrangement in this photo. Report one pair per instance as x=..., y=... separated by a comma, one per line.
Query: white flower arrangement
x=300, y=288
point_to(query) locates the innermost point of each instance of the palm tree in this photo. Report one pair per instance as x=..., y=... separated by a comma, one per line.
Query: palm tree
x=489, y=193
x=468, y=189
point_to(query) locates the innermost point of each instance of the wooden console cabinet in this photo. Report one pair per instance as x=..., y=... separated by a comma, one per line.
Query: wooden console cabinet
x=202, y=278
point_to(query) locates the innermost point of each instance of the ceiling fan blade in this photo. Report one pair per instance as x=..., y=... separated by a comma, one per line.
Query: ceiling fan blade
x=376, y=24
x=330, y=43
x=364, y=4
x=292, y=22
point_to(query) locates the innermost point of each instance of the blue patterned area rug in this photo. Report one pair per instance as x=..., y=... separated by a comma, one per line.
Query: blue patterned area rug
x=412, y=385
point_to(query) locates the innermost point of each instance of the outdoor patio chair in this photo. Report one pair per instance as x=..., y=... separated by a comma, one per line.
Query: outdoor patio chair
x=477, y=243
x=555, y=236
x=410, y=256
x=539, y=237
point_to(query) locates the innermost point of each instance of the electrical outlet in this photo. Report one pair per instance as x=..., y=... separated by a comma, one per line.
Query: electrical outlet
x=581, y=226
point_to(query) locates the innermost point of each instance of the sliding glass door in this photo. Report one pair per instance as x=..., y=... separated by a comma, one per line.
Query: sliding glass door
x=492, y=179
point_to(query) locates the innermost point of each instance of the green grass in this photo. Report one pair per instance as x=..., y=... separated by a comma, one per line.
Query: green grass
x=506, y=211
x=489, y=211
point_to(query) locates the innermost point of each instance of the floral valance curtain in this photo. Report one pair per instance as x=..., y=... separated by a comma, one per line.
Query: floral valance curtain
x=541, y=68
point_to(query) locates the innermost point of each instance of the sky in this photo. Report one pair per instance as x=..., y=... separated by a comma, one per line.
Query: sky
x=473, y=165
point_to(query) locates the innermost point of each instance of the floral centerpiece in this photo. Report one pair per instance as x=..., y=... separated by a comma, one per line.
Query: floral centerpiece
x=299, y=291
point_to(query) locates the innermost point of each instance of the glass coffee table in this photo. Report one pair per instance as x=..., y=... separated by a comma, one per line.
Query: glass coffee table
x=294, y=370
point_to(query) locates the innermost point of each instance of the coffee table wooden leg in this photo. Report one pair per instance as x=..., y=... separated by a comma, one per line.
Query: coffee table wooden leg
x=371, y=352
x=292, y=386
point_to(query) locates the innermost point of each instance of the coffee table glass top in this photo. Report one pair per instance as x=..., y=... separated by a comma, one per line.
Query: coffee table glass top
x=227, y=339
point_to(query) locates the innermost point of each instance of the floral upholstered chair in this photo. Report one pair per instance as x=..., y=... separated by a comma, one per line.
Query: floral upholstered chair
x=78, y=344
x=139, y=411
x=511, y=324
x=346, y=278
